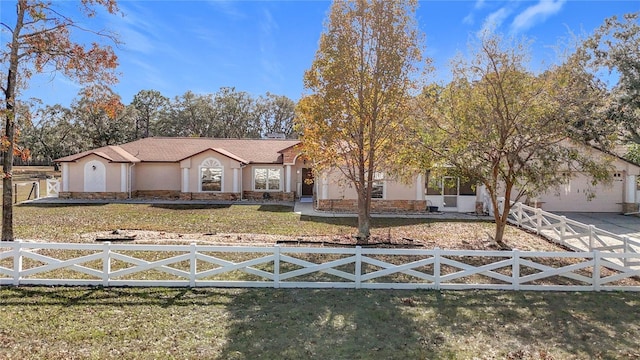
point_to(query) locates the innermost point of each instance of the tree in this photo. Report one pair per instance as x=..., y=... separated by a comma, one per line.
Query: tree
x=507, y=128
x=149, y=104
x=361, y=81
x=615, y=46
x=276, y=114
x=234, y=114
x=189, y=115
x=54, y=133
x=41, y=40
x=104, y=119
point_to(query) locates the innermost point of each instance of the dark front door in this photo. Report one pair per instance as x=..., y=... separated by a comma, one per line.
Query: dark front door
x=307, y=182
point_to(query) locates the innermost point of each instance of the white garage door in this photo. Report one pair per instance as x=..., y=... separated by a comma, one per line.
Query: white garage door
x=574, y=197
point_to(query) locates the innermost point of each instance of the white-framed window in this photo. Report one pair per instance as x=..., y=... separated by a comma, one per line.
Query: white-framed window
x=267, y=179
x=377, y=188
x=211, y=176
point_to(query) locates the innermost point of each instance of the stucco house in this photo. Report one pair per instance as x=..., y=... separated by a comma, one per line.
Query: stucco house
x=274, y=170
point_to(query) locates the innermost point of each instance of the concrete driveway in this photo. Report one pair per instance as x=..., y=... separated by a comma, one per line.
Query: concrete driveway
x=615, y=223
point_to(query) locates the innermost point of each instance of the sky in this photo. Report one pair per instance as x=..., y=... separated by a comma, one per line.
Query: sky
x=265, y=46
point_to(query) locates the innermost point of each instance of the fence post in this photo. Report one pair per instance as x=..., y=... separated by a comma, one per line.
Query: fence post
x=591, y=239
x=519, y=213
x=106, y=263
x=193, y=265
x=37, y=183
x=563, y=228
x=436, y=267
x=515, y=269
x=358, y=270
x=276, y=266
x=538, y=220
x=15, y=193
x=596, y=270
x=17, y=262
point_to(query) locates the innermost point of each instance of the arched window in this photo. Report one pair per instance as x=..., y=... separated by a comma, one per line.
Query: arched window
x=211, y=175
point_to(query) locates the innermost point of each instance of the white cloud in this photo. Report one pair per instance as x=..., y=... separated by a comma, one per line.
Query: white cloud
x=479, y=4
x=536, y=13
x=494, y=20
x=468, y=20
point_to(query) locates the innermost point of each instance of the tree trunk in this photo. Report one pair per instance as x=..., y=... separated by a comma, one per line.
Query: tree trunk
x=499, y=235
x=9, y=128
x=364, y=218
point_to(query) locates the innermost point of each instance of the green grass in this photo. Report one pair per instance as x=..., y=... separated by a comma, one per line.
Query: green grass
x=157, y=323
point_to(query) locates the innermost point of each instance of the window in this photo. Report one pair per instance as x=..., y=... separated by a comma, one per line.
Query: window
x=377, y=188
x=467, y=187
x=211, y=175
x=266, y=179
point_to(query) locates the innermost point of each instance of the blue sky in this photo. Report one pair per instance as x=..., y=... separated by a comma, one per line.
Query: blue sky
x=265, y=46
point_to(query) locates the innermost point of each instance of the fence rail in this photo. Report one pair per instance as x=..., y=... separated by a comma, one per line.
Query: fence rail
x=110, y=264
x=573, y=234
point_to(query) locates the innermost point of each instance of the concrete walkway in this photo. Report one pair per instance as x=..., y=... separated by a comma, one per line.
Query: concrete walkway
x=300, y=208
x=306, y=209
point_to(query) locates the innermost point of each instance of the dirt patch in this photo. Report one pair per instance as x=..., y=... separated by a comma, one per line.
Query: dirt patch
x=471, y=236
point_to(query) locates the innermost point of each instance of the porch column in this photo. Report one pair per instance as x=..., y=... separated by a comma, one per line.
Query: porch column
x=630, y=189
x=325, y=187
x=235, y=180
x=419, y=190
x=185, y=180
x=123, y=177
x=287, y=177
x=65, y=176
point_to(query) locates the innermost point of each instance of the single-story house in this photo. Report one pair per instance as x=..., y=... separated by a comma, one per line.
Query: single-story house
x=275, y=170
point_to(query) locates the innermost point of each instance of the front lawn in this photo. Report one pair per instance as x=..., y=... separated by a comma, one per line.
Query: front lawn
x=158, y=323
x=166, y=323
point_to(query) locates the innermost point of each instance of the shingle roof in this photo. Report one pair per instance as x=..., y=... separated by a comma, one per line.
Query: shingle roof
x=159, y=149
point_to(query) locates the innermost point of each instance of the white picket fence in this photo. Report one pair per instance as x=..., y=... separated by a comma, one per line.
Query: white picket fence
x=111, y=264
x=573, y=234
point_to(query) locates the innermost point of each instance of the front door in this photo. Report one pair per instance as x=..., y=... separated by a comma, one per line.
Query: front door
x=307, y=182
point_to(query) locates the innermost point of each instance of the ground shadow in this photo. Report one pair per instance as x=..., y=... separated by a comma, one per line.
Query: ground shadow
x=59, y=205
x=343, y=324
x=380, y=222
x=190, y=206
x=277, y=208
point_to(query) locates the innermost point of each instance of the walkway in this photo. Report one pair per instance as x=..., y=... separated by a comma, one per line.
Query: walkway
x=300, y=208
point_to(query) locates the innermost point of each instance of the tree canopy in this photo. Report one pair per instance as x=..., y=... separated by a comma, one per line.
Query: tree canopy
x=42, y=40
x=505, y=127
x=361, y=81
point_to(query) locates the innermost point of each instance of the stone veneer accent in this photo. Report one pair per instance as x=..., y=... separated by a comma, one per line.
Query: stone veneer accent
x=273, y=195
x=376, y=205
x=629, y=208
x=93, y=195
x=210, y=196
x=156, y=194
x=149, y=194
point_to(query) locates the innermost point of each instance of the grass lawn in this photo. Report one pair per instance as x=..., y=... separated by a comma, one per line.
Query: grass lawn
x=158, y=323
x=165, y=323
